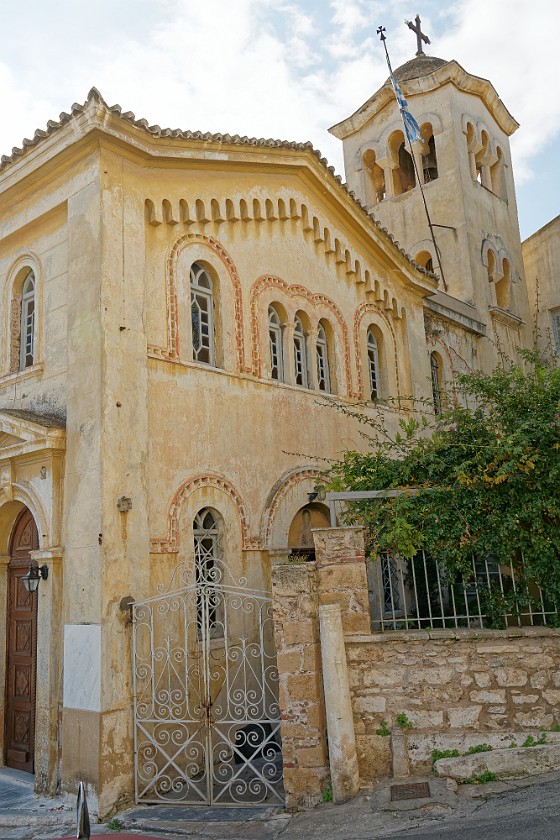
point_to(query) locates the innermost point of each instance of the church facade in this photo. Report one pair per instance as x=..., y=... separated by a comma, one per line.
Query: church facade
x=181, y=314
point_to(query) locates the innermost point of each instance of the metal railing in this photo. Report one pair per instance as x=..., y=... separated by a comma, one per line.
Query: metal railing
x=417, y=595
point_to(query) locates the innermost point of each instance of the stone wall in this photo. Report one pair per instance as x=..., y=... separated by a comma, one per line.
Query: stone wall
x=458, y=688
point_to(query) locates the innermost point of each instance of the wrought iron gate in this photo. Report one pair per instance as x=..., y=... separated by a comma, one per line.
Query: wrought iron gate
x=206, y=714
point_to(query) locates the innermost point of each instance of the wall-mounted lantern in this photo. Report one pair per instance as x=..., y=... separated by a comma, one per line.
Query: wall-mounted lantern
x=33, y=576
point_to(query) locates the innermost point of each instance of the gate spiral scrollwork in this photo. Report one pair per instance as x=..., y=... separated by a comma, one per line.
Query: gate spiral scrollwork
x=206, y=714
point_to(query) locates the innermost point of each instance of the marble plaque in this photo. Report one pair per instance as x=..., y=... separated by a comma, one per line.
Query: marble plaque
x=82, y=667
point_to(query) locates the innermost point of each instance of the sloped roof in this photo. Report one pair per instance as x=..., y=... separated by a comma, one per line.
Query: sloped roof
x=94, y=97
x=49, y=421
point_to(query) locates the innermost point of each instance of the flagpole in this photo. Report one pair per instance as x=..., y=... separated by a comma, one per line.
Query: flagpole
x=381, y=32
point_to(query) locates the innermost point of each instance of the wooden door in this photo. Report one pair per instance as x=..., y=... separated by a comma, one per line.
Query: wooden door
x=21, y=650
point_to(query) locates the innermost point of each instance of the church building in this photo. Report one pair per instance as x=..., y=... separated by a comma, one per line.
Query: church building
x=181, y=314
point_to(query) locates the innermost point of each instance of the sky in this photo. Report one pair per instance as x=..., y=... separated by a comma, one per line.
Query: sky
x=285, y=69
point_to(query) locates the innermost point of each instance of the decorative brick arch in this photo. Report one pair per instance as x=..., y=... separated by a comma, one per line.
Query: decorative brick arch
x=170, y=543
x=361, y=313
x=269, y=281
x=277, y=494
x=172, y=351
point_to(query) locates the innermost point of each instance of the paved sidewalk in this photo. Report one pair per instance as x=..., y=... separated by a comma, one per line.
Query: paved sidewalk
x=372, y=814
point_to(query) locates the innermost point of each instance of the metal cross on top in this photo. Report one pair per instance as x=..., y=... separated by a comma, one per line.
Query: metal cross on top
x=419, y=34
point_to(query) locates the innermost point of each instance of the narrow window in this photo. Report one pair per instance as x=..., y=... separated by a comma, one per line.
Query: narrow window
x=27, y=328
x=436, y=382
x=300, y=354
x=323, y=372
x=275, y=339
x=202, y=315
x=208, y=558
x=429, y=160
x=406, y=169
x=373, y=365
x=556, y=329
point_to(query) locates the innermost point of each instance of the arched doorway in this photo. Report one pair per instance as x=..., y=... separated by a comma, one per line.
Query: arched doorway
x=300, y=537
x=21, y=656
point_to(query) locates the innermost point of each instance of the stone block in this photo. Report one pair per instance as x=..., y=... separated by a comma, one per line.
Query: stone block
x=482, y=679
x=300, y=633
x=370, y=704
x=506, y=764
x=315, y=716
x=522, y=699
x=425, y=719
x=488, y=696
x=304, y=686
x=311, y=756
x=511, y=677
x=540, y=679
x=533, y=720
x=290, y=663
x=551, y=696
x=432, y=676
x=465, y=718
x=311, y=657
x=301, y=781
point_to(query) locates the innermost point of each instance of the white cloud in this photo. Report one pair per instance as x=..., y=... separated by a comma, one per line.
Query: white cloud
x=280, y=68
x=515, y=45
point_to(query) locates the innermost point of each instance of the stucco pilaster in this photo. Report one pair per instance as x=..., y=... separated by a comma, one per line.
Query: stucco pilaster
x=49, y=671
x=4, y=560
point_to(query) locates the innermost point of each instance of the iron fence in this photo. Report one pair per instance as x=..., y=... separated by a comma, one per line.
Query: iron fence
x=417, y=594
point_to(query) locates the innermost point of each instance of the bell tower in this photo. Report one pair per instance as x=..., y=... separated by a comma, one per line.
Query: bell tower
x=463, y=161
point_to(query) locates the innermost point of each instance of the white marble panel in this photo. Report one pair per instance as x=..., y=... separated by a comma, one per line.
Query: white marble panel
x=82, y=667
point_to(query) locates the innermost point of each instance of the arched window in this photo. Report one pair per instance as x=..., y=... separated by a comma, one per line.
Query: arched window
x=435, y=367
x=300, y=354
x=406, y=169
x=322, y=350
x=208, y=559
x=497, y=175
x=429, y=156
x=373, y=364
x=503, y=287
x=375, y=185
x=425, y=259
x=202, y=314
x=481, y=158
x=275, y=340
x=27, y=325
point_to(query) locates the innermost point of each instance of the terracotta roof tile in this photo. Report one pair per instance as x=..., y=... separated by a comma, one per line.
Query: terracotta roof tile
x=206, y=137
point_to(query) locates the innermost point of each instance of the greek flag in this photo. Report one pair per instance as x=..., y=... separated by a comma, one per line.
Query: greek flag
x=411, y=127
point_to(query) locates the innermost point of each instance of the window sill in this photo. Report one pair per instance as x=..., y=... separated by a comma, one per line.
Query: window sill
x=30, y=372
x=505, y=316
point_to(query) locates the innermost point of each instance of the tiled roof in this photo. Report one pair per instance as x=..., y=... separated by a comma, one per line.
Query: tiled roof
x=49, y=421
x=421, y=65
x=206, y=137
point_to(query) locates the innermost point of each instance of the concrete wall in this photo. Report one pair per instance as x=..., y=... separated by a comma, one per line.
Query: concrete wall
x=541, y=256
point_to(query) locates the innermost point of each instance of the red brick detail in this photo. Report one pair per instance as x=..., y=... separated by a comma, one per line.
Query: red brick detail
x=170, y=543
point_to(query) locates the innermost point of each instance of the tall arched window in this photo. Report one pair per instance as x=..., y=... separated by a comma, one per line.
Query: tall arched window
x=373, y=364
x=208, y=558
x=322, y=350
x=27, y=326
x=436, y=381
x=202, y=314
x=275, y=340
x=406, y=172
x=429, y=157
x=300, y=354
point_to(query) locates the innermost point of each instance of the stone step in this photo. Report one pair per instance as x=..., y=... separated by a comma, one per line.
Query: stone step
x=511, y=763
